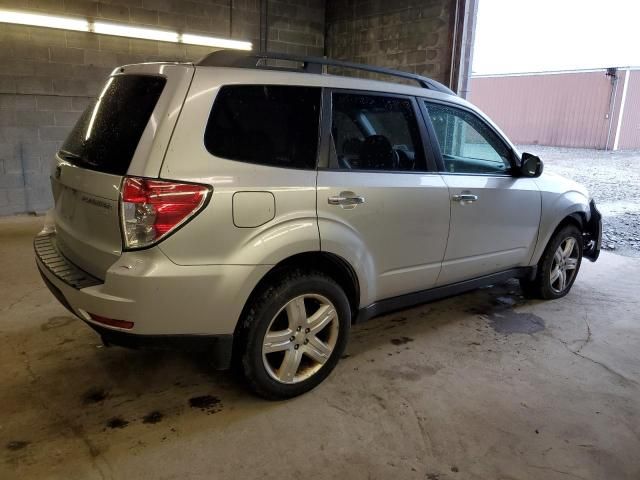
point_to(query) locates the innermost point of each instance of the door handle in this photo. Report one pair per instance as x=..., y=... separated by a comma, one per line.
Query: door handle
x=346, y=199
x=464, y=198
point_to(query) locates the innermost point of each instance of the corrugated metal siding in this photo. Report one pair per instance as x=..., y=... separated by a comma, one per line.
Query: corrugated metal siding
x=630, y=128
x=561, y=109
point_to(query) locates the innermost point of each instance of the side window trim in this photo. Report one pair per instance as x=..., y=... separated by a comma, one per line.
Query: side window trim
x=430, y=134
x=423, y=101
x=328, y=162
x=324, y=144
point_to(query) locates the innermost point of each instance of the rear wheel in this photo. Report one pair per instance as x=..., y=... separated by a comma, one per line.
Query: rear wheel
x=558, y=267
x=294, y=332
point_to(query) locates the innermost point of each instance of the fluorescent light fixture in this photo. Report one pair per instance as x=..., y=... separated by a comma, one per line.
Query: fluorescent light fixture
x=117, y=29
x=215, y=42
x=121, y=30
x=50, y=21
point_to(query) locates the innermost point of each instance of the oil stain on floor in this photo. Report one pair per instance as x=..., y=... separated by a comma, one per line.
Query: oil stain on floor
x=153, y=417
x=401, y=340
x=117, y=422
x=16, y=445
x=94, y=395
x=501, y=314
x=508, y=322
x=206, y=403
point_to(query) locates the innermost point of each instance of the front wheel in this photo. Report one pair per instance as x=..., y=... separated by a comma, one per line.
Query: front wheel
x=558, y=267
x=294, y=332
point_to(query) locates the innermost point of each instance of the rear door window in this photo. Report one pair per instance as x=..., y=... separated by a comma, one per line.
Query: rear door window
x=266, y=124
x=376, y=132
x=106, y=135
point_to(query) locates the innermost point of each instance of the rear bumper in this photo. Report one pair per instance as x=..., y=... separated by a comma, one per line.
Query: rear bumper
x=593, y=234
x=219, y=348
x=191, y=308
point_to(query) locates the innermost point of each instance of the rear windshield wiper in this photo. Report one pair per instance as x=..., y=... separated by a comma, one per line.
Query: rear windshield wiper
x=75, y=158
x=72, y=157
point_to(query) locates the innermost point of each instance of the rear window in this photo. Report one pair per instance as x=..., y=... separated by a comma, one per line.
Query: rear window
x=107, y=133
x=266, y=124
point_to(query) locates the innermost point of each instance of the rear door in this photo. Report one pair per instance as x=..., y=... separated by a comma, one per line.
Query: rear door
x=380, y=202
x=495, y=214
x=124, y=131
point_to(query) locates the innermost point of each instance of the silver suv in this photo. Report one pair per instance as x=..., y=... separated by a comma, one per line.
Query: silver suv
x=256, y=211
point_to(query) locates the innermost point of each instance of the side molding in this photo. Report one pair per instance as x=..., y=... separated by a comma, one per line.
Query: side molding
x=404, y=301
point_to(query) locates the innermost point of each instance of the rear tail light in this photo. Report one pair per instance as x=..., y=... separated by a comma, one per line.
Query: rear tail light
x=151, y=209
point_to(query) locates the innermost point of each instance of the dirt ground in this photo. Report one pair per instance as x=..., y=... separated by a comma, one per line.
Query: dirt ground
x=613, y=179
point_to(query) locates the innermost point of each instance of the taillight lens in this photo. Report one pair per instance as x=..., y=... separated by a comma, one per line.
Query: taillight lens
x=151, y=209
x=112, y=322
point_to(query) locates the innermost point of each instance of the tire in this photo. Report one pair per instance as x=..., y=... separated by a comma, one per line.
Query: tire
x=556, y=271
x=285, y=310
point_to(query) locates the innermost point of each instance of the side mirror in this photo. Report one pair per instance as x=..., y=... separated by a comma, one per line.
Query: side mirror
x=531, y=165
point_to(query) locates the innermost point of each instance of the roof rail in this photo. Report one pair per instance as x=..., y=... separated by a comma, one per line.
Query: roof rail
x=230, y=58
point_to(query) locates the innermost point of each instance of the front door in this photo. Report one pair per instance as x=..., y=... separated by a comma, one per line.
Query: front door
x=494, y=213
x=380, y=203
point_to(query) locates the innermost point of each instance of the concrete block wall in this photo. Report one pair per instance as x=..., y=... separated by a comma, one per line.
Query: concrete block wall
x=410, y=35
x=296, y=27
x=48, y=77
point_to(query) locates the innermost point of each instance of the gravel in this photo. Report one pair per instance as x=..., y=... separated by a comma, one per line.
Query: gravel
x=613, y=179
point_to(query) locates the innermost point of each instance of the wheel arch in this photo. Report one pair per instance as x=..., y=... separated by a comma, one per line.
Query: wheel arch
x=330, y=264
x=577, y=218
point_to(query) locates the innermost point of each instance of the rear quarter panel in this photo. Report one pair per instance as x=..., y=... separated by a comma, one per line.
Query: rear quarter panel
x=212, y=237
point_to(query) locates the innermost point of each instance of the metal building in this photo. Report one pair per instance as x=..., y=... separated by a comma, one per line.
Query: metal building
x=582, y=108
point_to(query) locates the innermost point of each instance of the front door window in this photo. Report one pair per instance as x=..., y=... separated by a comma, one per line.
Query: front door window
x=467, y=144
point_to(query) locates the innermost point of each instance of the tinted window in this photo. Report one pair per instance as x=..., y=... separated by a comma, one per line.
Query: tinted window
x=107, y=133
x=270, y=125
x=468, y=145
x=373, y=132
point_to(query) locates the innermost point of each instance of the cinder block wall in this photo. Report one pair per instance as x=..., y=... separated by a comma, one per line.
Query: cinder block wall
x=296, y=27
x=47, y=77
x=411, y=35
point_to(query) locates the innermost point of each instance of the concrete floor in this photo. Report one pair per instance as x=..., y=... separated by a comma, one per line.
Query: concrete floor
x=482, y=386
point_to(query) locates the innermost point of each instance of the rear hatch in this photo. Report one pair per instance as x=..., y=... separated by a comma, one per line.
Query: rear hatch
x=125, y=131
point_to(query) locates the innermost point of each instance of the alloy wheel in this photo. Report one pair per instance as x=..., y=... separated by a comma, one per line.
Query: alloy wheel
x=564, y=265
x=300, y=338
